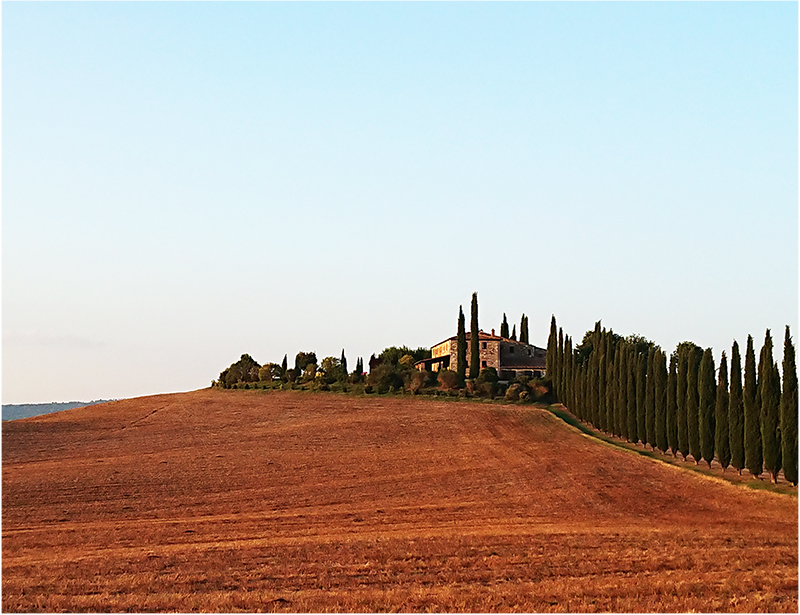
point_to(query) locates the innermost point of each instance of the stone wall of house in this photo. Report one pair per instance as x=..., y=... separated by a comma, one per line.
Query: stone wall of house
x=517, y=353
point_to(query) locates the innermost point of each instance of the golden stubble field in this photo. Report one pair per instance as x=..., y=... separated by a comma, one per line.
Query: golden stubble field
x=295, y=501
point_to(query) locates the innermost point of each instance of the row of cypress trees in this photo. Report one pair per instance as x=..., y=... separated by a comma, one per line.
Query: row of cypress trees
x=630, y=388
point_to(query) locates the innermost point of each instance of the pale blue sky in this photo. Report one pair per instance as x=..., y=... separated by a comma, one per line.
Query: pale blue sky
x=186, y=182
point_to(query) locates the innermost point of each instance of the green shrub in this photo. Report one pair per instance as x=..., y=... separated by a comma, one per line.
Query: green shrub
x=513, y=391
x=448, y=380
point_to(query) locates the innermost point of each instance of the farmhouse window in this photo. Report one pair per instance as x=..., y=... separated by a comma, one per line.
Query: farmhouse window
x=510, y=350
x=529, y=352
x=483, y=363
x=483, y=345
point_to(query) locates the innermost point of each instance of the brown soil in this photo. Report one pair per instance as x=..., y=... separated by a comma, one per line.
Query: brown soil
x=294, y=501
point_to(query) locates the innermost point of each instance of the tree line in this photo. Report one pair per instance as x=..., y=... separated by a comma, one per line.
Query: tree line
x=393, y=370
x=683, y=403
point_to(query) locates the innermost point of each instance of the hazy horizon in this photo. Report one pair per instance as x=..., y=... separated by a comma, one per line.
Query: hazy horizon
x=188, y=182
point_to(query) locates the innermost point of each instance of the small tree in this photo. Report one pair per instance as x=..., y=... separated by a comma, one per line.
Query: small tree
x=269, y=372
x=304, y=359
x=448, y=380
x=789, y=410
x=284, y=367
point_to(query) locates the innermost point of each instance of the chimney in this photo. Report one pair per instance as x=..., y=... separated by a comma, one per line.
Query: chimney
x=492, y=332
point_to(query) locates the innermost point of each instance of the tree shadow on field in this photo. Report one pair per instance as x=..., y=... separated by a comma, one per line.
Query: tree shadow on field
x=563, y=414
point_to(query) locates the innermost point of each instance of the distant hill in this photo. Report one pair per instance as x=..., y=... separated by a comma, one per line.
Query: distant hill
x=23, y=411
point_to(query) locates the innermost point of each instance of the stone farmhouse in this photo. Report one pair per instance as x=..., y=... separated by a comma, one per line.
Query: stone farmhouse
x=509, y=357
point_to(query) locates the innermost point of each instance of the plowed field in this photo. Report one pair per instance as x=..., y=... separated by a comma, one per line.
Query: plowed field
x=294, y=501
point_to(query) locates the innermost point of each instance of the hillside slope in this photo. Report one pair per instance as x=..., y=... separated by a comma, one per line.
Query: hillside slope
x=237, y=500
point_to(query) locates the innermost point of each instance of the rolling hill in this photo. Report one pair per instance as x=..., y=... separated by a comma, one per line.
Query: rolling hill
x=295, y=501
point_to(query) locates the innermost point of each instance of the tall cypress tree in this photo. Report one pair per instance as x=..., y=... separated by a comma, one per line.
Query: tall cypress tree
x=611, y=389
x=611, y=383
x=552, y=349
x=632, y=367
x=567, y=401
x=461, y=349
x=343, y=361
x=693, y=403
x=752, y=422
x=559, y=381
x=284, y=366
x=722, y=436
x=641, y=386
x=474, y=349
x=672, y=404
x=707, y=400
x=504, y=327
x=513, y=333
x=770, y=409
x=523, y=329
x=789, y=410
x=683, y=382
x=622, y=391
x=661, y=401
x=650, y=401
x=602, y=418
x=736, y=411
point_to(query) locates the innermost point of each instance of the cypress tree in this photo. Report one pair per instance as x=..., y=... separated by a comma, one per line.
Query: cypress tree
x=513, y=333
x=752, y=423
x=523, y=329
x=672, y=404
x=683, y=378
x=461, y=349
x=611, y=391
x=344, y=363
x=736, y=411
x=552, y=349
x=707, y=399
x=770, y=409
x=602, y=417
x=566, y=376
x=789, y=410
x=650, y=401
x=559, y=384
x=284, y=366
x=661, y=401
x=693, y=403
x=632, y=430
x=722, y=436
x=504, y=327
x=622, y=391
x=474, y=350
x=567, y=371
x=611, y=384
x=641, y=384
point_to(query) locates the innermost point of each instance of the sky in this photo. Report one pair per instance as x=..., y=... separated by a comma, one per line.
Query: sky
x=187, y=182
